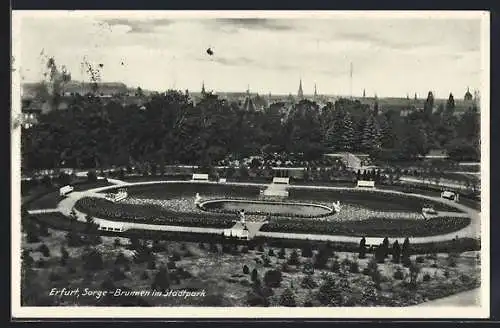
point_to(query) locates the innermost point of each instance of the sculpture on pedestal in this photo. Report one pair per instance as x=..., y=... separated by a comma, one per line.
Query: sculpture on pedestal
x=197, y=199
x=336, y=206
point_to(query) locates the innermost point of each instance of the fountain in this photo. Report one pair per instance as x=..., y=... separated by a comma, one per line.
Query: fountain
x=197, y=199
x=336, y=206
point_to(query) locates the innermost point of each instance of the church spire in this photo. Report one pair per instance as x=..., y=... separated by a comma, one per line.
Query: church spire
x=300, y=93
x=315, y=91
x=203, y=87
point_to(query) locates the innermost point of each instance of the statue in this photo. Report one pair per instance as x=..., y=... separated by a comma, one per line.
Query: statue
x=242, y=216
x=336, y=206
x=197, y=199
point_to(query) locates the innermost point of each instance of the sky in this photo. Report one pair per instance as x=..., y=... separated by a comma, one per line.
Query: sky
x=394, y=55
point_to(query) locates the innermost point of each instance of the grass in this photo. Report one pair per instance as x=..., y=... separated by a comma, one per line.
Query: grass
x=41, y=198
x=374, y=227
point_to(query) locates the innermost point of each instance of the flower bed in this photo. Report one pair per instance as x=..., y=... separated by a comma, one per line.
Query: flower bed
x=171, y=190
x=373, y=227
x=372, y=199
x=151, y=214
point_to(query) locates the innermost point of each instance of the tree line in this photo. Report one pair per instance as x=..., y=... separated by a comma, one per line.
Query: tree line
x=169, y=128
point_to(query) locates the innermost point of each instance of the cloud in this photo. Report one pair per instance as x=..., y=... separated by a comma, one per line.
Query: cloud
x=237, y=61
x=255, y=23
x=138, y=26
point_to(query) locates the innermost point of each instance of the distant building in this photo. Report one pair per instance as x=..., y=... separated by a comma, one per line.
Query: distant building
x=248, y=105
x=468, y=95
x=300, y=93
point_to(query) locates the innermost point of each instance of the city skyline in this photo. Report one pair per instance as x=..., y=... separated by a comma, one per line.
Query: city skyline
x=267, y=55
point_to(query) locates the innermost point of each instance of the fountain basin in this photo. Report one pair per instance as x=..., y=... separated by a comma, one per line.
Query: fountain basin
x=266, y=207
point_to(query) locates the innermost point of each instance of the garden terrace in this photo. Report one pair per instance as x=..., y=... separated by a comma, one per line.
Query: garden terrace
x=103, y=209
x=373, y=227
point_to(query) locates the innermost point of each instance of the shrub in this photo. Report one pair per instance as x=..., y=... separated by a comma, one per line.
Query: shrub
x=354, y=267
x=54, y=276
x=282, y=253
x=307, y=250
x=426, y=277
x=272, y=278
x=271, y=252
x=366, y=271
x=399, y=274
x=44, y=250
x=308, y=268
x=285, y=267
x=335, y=266
x=152, y=264
x=246, y=270
x=64, y=256
x=260, y=248
x=308, y=282
x=308, y=303
x=117, y=242
x=294, y=258
x=117, y=274
x=288, y=298
x=420, y=259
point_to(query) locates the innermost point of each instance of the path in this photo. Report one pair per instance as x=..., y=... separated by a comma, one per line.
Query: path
x=67, y=205
x=463, y=299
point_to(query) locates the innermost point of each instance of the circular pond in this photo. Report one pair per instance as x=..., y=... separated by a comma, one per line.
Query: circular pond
x=262, y=207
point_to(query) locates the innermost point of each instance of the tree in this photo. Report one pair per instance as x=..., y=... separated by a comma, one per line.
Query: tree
x=371, y=138
x=64, y=256
x=322, y=257
x=288, y=298
x=92, y=260
x=307, y=250
x=282, y=253
x=450, y=105
x=414, y=272
x=405, y=252
x=27, y=260
x=255, y=275
x=385, y=246
x=362, y=248
x=294, y=258
x=162, y=280
x=429, y=104
x=396, y=252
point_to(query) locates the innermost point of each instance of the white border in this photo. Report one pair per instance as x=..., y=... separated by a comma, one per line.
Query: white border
x=19, y=312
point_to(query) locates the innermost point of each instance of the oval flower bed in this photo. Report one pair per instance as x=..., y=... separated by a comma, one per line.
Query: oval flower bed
x=267, y=208
x=151, y=214
x=373, y=227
